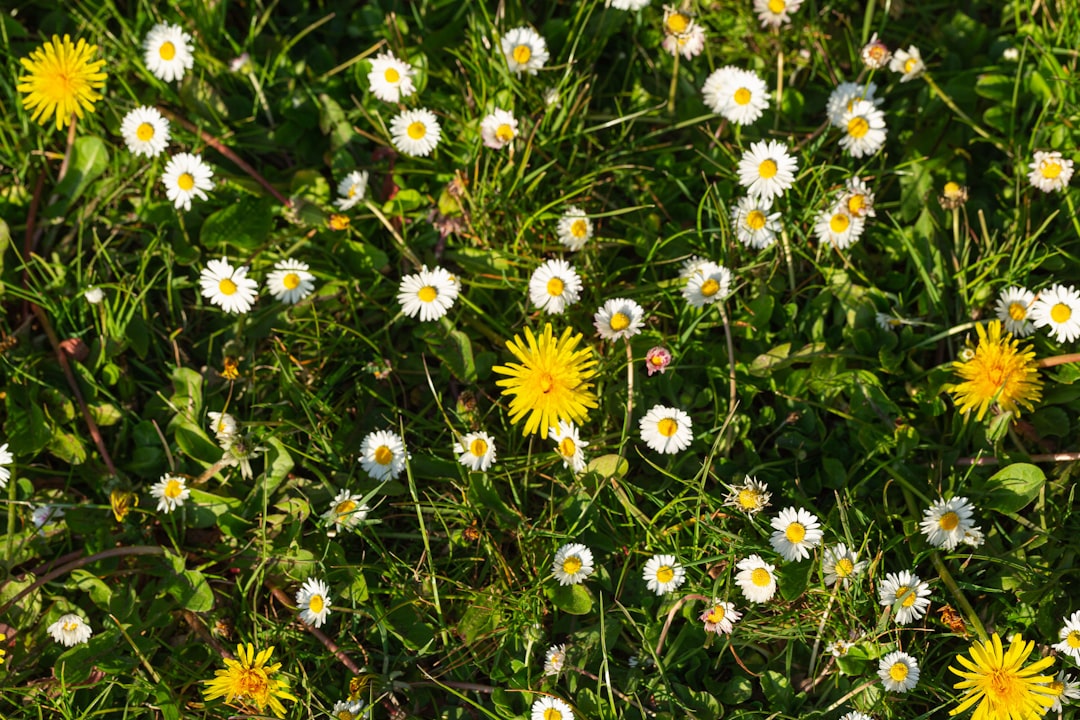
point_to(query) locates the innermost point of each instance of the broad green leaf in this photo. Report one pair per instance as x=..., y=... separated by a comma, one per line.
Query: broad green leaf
x=194, y=443
x=188, y=587
x=778, y=691
x=67, y=446
x=26, y=419
x=573, y=599
x=1012, y=488
x=279, y=464
x=100, y=593
x=89, y=158
x=608, y=466
x=244, y=224
x=793, y=577
x=482, y=618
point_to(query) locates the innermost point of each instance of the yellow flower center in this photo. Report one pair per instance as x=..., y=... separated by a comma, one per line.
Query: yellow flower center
x=667, y=427
x=547, y=382
x=898, y=672
x=345, y=507
x=416, y=130
x=291, y=281
x=1017, y=311
x=857, y=127
x=571, y=565
x=316, y=604
x=579, y=228
x=619, y=321
x=767, y=169
x=910, y=64
x=145, y=132
x=1073, y=639
x=906, y=596
x=252, y=683
x=71, y=626
x=856, y=203
x=185, y=182
x=167, y=51
x=478, y=447
x=710, y=287
x=952, y=189
x=384, y=455
x=1060, y=313
x=1057, y=686
x=1050, y=169
x=748, y=499
x=844, y=567
x=173, y=489
x=795, y=533
x=949, y=521
x=227, y=286
x=677, y=23
x=777, y=6
x=716, y=614
x=555, y=287
x=760, y=577
x=839, y=223
x=345, y=715
x=742, y=96
x=427, y=293
x=755, y=220
x=567, y=447
x=657, y=360
x=665, y=574
x=505, y=133
x=392, y=75
x=521, y=54
x=552, y=714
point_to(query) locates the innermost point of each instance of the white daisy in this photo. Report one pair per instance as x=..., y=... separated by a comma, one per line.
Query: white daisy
x=42, y=515
x=550, y=708
x=909, y=62
x=795, y=531
x=568, y=444
x=554, y=659
x=619, y=318
x=224, y=426
x=666, y=430
x=663, y=574
x=6, y=458
x=757, y=579
x=689, y=44
x=390, y=79
x=1070, y=637
x=857, y=198
x=692, y=266
x=767, y=170
x=415, y=132
x=70, y=630
x=313, y=601
x=498, y=129
x=171, y=492
x=346, y=710
x=753, y=224
x=751, y=497
x=574, y=229
x=351, y=190
x=186, y=176
x=94, y=295
x=476, y=451
x=382, y=455
x=898, y=672
x=145, y=131
x=864, y=129
x=346, y=512
x=907, y=593
x=630, y=4
x=1067, y=689
x=554, y=285
x=710, y=283
x=289, y=281
x=946, y=522
x=720, y=617
x=573, y=564
x=839, y=565
x=228, y=287
x=167, y=52
x=844, y=97
x=837, y=227
x=974, y=537
x=741, y=96
x=855, y=715
x=428, y=293
x=525, y=50
x=1059, y=310
x=875, y=54
x=774, y=13
x=1050, y=171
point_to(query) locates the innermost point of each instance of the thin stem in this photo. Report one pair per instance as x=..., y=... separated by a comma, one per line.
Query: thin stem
x=1041, y=458
x=326, y=641
x=1057, y=360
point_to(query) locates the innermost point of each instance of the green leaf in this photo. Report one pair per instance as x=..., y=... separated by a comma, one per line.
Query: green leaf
x=737, y=690
x=279, y=465
x=188, y=587
x=100, y=593
x=572, y=599
x=244, y=224
x=194, y=443
x=454, y=348
x=480, y=619
x=1012, y=488
x=778, y=692
x=187, y=391
x=608, y=466
x=26, y=419
x=89, y=158
x=67, y=446
x=793, y=577
x=403, y=202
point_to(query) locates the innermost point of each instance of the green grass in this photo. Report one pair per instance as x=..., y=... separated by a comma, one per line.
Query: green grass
x=443, y=598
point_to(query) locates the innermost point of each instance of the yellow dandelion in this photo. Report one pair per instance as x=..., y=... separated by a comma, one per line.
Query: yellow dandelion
x=995, y=679
x=248, y=682
x=550, y=384
x=61, y=80
x=997, y=371
x=3, y=652
x=122, y=502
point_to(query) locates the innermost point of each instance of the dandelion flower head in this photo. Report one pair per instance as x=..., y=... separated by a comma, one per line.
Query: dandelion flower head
x=61, y=80
x=250, y=681
x=997, y=371
x=996, y=682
